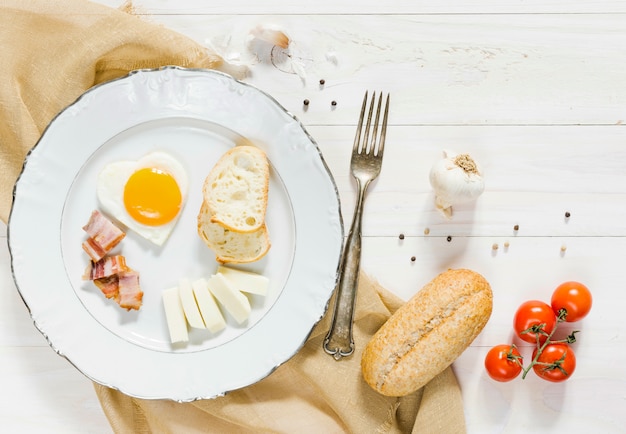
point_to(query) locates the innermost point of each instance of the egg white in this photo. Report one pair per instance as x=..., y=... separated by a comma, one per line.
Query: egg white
x=110, y=190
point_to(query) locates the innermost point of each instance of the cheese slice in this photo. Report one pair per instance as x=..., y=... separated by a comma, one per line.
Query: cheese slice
x=211, y=315
x=233, y=301
x=246, y=281
x=190, y=307
x=175, y=316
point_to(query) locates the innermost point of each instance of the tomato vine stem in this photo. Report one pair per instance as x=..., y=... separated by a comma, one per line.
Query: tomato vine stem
x=538, y=329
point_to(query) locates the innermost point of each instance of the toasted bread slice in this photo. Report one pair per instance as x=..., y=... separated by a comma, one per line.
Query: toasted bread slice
x=231, y=246
x=236, y=189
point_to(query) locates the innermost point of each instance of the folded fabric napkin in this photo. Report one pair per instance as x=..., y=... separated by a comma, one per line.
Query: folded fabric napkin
x=53, y=52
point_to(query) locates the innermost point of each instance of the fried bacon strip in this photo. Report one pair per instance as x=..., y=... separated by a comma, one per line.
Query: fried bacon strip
x=108, y=285
x=109, y=272
x=93, y=249
x=130, y=294
x=105, y=267
x=123, y=288
x=103, y=236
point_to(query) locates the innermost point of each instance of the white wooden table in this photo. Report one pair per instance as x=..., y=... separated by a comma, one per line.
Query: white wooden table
x=535, y=90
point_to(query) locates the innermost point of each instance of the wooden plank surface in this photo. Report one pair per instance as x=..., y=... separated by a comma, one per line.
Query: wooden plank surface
x=498, y=69
x=374, y=7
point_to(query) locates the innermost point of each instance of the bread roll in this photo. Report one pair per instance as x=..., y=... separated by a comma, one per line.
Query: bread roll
x=427, y=333
x=230, y=246
x=236, y=189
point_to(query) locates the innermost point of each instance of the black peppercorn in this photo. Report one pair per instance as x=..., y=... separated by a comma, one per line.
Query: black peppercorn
x=516, y=228
x=412, y=258
x=567, y=214
x=401, y=236
x=322, y=82
x=305, y=102
x=333, y=103
x=449, y=238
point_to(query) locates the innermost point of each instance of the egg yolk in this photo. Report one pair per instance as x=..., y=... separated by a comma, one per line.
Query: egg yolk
x=152, y=197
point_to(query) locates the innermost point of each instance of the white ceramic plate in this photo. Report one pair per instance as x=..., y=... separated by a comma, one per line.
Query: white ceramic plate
x=195, y=115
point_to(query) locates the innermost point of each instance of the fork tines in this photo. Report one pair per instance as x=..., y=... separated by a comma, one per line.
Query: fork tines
x=368, y=145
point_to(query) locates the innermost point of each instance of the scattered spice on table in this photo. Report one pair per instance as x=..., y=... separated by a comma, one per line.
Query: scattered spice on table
x=305, y=102
x=516, y=228
x=567, y=214
x=426, y=231
x=333, y=103
x=401, y=236
x=412, y=258
x=494, y=246
x=322, y=82
x=449, y=238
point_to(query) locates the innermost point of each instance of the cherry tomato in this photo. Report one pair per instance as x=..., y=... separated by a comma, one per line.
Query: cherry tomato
x=533, y=313
x=503, y=362
x=560, y=359
x=574, y=297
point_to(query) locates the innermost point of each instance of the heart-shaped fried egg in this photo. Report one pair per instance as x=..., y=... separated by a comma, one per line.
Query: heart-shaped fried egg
x=146, y=195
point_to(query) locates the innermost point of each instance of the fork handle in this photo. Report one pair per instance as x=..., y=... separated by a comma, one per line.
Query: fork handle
x=339, y=342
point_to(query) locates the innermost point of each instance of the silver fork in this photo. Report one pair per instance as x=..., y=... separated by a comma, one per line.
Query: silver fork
x=367, y=158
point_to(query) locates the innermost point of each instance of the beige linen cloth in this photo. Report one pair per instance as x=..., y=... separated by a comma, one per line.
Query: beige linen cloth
x=55, y=50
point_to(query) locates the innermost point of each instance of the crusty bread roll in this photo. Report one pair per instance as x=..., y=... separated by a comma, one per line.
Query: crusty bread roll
x=230, y=246
x=236, y=189
x=231, y=221
x=427, y=333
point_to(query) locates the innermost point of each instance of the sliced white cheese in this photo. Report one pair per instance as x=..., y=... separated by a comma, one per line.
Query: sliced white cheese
x=233, y=301
x=190, y=307
x=175, y=315
x=245, y=281
x=213, y=318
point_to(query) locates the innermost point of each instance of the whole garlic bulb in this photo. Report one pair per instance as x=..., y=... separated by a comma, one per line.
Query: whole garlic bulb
x=456, y=178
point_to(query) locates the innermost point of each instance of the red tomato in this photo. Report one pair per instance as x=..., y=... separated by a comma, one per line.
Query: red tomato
x=531, y=314
x=557, y=362
x=574, y=297
x=503, y=362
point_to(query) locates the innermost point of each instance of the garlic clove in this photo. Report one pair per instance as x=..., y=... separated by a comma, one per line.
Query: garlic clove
x=271, y=34
x=456, y=179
